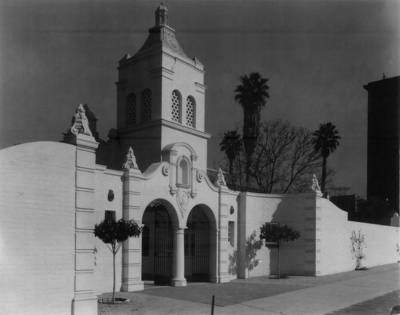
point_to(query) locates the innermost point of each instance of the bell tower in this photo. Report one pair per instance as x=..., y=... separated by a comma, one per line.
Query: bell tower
x=160, y=97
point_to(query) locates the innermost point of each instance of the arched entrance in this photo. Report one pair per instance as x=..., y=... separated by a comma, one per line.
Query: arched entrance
x=159, y=224
x=200, y=245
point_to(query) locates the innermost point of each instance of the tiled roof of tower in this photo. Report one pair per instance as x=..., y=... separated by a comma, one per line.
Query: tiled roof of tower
x=162, y=35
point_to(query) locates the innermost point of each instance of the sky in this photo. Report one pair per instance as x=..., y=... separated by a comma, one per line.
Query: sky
x=317, y=56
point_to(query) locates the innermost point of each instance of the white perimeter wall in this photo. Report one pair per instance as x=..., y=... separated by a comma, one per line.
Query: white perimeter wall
x=297, y=211
x=334, y=232
x=37, y=213
x=324, y=246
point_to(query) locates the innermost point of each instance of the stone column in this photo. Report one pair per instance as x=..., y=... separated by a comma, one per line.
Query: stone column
x=178, y=279
x=85, y=300
x=132, y=248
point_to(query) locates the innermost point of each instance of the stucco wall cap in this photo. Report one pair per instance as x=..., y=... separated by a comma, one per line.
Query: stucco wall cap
x=279, y=196
x=153, y=169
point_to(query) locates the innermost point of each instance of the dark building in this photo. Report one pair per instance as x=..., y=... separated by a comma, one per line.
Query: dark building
x=383, y=141
x=347, y=203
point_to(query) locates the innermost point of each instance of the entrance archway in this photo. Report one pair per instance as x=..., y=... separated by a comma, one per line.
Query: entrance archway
x=200, y=245
x=159, y=224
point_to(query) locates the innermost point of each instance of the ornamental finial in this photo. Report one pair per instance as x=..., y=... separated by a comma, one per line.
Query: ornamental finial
x=161, y=15
x=220, y=178
x=80, y=122
x=315, y=185
x=130, y=162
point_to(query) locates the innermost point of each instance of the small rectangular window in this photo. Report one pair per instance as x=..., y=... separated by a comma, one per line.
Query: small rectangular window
x=231, y=233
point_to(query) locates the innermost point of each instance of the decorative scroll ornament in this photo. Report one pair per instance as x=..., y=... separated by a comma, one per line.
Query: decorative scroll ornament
x=199, y=176
x=220, y=178
x=165, y=170
x=81, y=123
x=315, y=185
x=130, y=162
x=182, y=199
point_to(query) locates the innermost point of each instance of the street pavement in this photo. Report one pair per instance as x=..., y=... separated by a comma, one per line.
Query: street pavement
x=294, y=295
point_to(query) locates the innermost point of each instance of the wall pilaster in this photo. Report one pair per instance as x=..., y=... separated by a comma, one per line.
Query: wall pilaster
x=312, y=235
x=223, y=208
x=223, y=238
x=132, y=248
x=85, y=300
x=242, y=217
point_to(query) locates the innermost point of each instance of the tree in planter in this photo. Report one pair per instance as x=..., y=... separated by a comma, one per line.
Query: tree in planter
x=113, y=233
x=274, y=234
x=357, y=245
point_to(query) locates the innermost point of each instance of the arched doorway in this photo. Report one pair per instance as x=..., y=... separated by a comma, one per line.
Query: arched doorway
x=200, y=245
x=159, y=224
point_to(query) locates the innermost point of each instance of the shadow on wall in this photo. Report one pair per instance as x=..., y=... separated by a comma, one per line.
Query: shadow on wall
x=290, y=211
x=253, y=245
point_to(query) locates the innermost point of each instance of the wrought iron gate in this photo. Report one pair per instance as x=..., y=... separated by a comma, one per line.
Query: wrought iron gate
x=197, y=251
x=159, y=243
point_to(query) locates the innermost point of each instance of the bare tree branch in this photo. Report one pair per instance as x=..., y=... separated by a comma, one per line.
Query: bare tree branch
x=283, y=162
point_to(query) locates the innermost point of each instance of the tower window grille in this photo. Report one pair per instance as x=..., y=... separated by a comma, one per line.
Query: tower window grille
x=131, y=108
x=190, y=112
x=146, y=105
x=176, y=106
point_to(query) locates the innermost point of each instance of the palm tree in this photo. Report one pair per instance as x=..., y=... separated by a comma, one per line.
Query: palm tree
x=325, y=141
x=231, y=144
x=252, y=95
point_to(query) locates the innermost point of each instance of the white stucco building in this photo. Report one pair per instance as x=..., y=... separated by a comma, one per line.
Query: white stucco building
x=152, y=170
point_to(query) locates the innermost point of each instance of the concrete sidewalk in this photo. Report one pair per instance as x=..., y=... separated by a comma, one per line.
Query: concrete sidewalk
x=322, y=299
x=326, y=295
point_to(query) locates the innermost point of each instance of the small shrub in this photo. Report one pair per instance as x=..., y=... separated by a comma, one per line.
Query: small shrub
x=357, y=246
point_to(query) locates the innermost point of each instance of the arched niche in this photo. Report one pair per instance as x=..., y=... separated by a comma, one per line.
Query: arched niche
x=178, y=155
x=183, y=172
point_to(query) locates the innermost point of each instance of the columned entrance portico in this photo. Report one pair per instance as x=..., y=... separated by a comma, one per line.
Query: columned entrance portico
x=172, y=253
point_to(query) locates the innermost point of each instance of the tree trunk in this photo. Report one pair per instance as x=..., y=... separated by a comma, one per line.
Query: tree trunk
x=323, y=179
x=279, y=268
x=113, y=295
x=230, y=167
x=248, y=163
x=240, y=173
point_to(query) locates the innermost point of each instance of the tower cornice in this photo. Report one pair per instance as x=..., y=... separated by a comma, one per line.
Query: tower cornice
x=165, y=123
